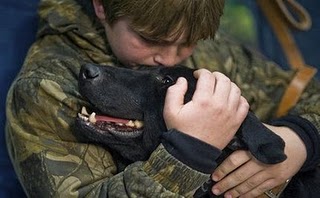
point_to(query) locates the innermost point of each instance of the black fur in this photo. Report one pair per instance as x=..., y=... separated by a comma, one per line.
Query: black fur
x=139, y=95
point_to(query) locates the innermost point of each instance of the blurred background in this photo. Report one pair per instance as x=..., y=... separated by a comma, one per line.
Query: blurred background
x=238, y=21
x=244, y=21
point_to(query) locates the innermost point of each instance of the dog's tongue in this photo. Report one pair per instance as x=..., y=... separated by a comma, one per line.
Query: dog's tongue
x=129, y=123
x=111, y=119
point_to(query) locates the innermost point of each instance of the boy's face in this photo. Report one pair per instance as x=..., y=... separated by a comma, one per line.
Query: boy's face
x=132, y=49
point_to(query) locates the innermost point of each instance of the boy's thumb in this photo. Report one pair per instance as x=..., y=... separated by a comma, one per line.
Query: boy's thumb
x=175, y=94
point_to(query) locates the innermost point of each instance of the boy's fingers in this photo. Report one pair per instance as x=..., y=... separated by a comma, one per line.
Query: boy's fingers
x=223, y=86
x=205, y=84
x=232, y=162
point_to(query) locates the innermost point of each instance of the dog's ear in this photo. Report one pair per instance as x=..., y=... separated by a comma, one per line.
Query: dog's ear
x=187, y=73
x=263, y=144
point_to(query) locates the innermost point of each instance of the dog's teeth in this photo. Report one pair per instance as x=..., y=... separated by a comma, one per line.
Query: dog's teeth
x=84, y=111
x=138, y=124
x=83, y=117
x=92, y=118
x=130, y=123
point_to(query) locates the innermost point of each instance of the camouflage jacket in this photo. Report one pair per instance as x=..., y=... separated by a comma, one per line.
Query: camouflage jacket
x=44, y=100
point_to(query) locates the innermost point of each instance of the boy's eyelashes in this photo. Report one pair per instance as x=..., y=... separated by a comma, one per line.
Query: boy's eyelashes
x=148, y=40
x=162, y=42
x=151, y=41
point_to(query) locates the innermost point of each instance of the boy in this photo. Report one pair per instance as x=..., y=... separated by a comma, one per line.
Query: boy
x=44, y=101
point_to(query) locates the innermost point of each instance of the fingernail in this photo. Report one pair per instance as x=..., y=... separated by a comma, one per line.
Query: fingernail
x=227, y=195
x=180, y=80
x=215, y=178
x=216, y=191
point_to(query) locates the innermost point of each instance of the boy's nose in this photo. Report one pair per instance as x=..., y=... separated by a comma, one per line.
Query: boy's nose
x=167, y=57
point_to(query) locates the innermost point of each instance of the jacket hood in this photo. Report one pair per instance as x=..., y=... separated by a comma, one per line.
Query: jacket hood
x=69, y=18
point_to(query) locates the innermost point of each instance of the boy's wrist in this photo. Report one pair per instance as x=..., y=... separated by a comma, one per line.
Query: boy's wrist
x=191, y=151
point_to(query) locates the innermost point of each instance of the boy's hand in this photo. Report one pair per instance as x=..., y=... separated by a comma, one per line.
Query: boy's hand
x=241, y=175
x=215, y=112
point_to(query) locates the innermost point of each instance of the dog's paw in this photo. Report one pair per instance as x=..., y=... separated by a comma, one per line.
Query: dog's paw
x=269, y=152
x=263, y=144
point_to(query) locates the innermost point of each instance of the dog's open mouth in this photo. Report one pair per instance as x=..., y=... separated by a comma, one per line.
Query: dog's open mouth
x=116, y=126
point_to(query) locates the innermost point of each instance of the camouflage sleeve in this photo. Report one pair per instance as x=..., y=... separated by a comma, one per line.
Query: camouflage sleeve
x=309, y=104
x=50, y=162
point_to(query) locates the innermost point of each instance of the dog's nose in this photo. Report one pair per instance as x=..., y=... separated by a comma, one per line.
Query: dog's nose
x=90, y=71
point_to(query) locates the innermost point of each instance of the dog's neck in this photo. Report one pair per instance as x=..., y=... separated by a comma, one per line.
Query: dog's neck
x=120, y=161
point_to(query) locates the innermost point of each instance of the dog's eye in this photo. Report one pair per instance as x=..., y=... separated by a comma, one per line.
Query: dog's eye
x=167, y=80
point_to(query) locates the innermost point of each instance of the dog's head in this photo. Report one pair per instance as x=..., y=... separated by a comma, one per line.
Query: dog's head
x=126, y=108
x=126, y=105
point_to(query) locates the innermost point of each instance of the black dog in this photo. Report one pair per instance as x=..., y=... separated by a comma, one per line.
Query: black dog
x=135, y=99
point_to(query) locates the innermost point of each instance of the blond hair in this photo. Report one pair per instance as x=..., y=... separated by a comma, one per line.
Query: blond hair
x=158, y=20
